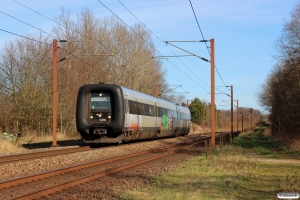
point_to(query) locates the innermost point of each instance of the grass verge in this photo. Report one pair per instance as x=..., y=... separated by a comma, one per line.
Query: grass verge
x=228, y=173
x=33, y=142
x=7, y=146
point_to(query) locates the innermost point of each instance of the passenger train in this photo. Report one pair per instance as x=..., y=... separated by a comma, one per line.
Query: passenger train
x=108, y=113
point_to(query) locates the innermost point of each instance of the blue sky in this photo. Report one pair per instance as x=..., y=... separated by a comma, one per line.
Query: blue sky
x=244, y=34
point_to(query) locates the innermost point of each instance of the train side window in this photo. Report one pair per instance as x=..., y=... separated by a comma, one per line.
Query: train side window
x=133, y=108
x=165, y=111
x=169, y=113
x=151, y=110
x=141, y=108
x=130, y=106
x=138, y=107
x=159, y=111
x=146, y=109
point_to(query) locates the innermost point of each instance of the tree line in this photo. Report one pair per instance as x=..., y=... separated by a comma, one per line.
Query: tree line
x=245, y=117
x=97, y=50
x=280, y=93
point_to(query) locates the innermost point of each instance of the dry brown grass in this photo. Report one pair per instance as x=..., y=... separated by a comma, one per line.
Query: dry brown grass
x=33, y=138
x=7, y=146
x=12, y=146
x=293, y=142
x=196, y=128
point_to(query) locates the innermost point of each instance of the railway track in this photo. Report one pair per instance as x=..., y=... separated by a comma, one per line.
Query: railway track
x=59, y=179
x=42, y=154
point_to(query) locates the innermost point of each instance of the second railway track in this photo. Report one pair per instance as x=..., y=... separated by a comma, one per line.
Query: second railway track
x=59, y=179
x=40, y=154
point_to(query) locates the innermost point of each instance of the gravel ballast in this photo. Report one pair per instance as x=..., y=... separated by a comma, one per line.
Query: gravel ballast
x=12, y=170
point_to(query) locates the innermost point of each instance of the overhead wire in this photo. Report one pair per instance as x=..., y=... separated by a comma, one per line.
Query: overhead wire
x=73, y=54
x=70, y=55
x=160, y=40
x=24, y=37
x=111, y=12
x=38, y=13
x=205, y=42
x=172, y=50
x=27, y=24
x=78, y=33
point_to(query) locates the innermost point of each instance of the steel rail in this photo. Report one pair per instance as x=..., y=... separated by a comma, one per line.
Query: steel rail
x=62, y=186
x=29, y=178
x=41, y=154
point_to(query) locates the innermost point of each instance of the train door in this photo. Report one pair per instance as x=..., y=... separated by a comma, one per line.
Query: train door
x=126, y=113
x=178, y=121
x=133, y=113
x=126, y=109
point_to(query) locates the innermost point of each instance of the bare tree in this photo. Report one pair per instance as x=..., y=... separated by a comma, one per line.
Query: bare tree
x=25, y=83
x=103, y=50
x=280, y=94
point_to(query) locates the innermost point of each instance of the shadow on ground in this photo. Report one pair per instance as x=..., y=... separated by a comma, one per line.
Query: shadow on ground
x=61, y=143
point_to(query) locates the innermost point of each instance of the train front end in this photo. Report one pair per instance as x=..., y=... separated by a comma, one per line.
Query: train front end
x=100, y=113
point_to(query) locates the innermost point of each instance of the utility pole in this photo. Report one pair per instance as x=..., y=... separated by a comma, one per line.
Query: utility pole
x=242, y=119
x=237, y=115
x=54, y=94
x=231, y=124
x=212, y=64
x=249, y=120
x=203, y=119
x=187, y=103
x=212, y=115
x=216, y=119
x=155, y=91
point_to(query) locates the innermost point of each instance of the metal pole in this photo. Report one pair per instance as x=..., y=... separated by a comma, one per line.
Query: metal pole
x=249, y=120
x=155, y=91
x=203, y=119
x=216, y=119
x=237, y=115
x=242, y=119
x=212, y=108
x=54, y=95
x=231, y=112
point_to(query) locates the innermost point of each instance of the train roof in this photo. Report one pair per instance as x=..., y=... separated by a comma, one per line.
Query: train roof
x=161, y=102
x=141, y=95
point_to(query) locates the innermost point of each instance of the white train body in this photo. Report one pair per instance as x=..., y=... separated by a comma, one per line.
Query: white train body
x=108, y=113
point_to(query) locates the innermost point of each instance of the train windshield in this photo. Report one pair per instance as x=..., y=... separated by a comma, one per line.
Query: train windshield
x=100, y=100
